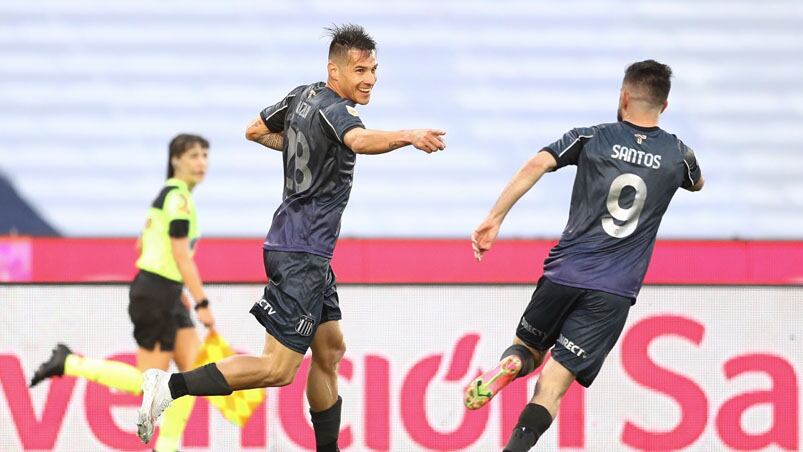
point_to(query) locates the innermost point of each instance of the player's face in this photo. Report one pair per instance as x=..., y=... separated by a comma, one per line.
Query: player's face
x=191, y=165
x=358, y=76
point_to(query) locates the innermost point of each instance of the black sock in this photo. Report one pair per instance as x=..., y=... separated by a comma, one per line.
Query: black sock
x=327, y=427
x=533, y=422
x=178, y=386
x=524, y=354
x=205, y=380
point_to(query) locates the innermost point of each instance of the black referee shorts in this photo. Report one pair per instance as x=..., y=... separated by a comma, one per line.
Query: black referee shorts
x=582, y=324
x=301, y=294
x=156, y=310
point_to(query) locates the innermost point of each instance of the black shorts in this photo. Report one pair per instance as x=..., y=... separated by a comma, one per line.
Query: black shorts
x=582, y=324
x=156, y=310
x=301, y=294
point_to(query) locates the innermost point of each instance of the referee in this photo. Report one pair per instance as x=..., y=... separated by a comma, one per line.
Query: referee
x=160, y=312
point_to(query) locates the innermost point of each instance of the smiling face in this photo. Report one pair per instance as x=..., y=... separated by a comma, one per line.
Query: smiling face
x=191, y=165
x=353, y=76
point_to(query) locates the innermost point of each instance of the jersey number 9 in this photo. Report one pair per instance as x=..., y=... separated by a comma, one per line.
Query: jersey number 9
x=627, y=216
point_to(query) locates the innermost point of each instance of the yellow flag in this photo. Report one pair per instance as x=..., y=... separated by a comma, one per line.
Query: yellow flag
x=238, y=406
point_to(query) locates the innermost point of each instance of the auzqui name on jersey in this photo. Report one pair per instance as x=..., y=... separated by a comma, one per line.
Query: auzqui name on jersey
x=635, y=156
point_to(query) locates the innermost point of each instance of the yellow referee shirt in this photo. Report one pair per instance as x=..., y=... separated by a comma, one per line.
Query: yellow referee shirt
x=172, y=214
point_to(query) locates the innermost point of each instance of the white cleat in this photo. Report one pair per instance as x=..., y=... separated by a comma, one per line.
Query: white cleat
x=155, y=399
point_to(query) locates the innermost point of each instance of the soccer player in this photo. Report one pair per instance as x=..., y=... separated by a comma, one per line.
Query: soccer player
x=159, y=310
x=627, y=173
x=319, y=131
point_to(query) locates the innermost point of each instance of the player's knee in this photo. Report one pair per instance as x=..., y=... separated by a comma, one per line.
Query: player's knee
x=329, y=358
x=339, y=351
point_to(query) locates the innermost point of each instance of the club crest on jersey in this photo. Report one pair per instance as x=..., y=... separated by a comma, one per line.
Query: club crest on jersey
x=640, y=138
x=303, y=109
x=305, y=325
x=352, y=111
x=185, y=205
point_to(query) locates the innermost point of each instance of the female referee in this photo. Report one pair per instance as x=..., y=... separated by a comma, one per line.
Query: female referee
x=157, y=306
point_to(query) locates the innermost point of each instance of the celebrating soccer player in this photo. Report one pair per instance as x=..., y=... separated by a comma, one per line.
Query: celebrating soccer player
x=627, y=173
x=319, y=131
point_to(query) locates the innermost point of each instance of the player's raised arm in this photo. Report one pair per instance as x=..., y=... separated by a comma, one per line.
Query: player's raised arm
x=483, y=237
x=267, y=128
x=367, y=141
x=258, y=132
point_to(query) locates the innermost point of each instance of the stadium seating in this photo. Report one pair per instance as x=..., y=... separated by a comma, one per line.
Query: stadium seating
x=91, y=91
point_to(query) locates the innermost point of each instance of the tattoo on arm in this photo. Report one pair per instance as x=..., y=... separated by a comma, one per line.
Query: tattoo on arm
x=272, y=140
x=395, y=145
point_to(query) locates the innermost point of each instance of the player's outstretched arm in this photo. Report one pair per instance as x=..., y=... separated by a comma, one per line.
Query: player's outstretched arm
x=484, y=236
x=367, y=141
x=258, y=132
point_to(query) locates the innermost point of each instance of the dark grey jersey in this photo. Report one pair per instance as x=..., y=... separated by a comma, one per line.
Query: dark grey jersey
x=626, y=177
x=318, y=168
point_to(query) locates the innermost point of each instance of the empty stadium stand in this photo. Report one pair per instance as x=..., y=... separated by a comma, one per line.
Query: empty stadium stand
x=91, y=91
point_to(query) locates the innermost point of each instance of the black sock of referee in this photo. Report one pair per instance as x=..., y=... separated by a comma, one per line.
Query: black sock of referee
x=533, y=422
x=327, y=427
x=203, y=381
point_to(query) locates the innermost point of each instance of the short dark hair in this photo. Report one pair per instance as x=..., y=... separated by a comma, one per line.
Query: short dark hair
x=346, y=37
x=652, y=77
x=180, y=144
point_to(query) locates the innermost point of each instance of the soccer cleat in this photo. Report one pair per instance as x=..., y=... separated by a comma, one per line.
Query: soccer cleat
x=484, y=388
x=155, y=399
x=53, y=367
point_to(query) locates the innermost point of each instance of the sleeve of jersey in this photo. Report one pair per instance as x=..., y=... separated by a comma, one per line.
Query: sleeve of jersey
x=339, y=118
x=177, y=212
x=567, y=149
x=273, y=116
x=692, y=169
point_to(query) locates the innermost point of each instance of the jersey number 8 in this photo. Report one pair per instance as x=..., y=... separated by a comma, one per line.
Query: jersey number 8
x=627, y=216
